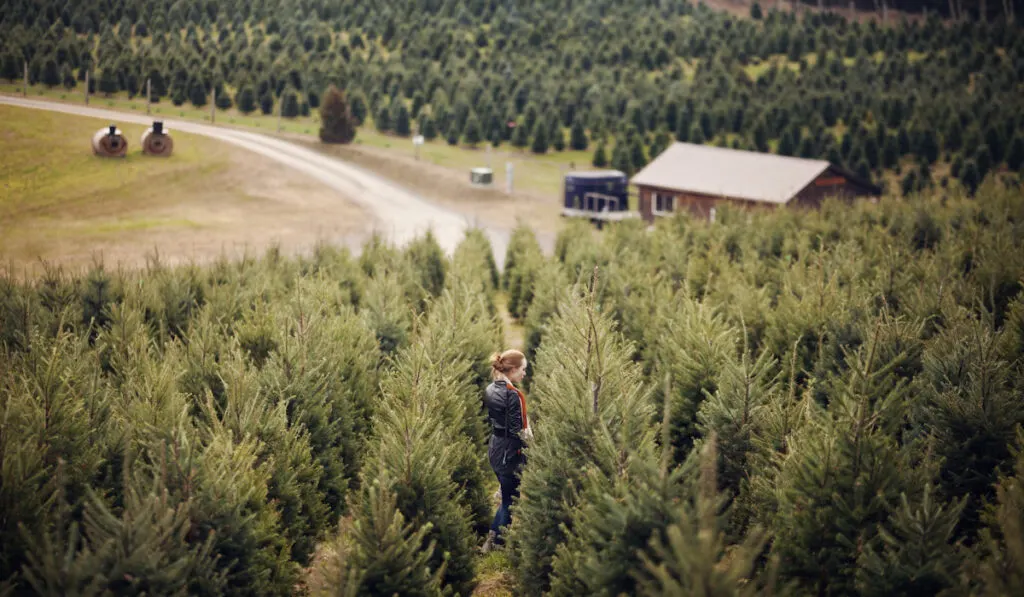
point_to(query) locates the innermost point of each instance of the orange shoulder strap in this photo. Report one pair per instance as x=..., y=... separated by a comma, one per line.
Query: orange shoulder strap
x=522, y=404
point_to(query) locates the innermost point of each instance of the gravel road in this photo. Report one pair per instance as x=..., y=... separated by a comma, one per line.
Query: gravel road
x=399, y=214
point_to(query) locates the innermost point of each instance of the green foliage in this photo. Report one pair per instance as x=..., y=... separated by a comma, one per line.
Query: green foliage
x=289, y=104
x=692, y=344
x=141, y=551
x=1001, y=569
x=836, y=364
x=377, y=553
x=587, y=393
x=695, y=557
x=413, y=459
x=916, y=556
x=578, y=137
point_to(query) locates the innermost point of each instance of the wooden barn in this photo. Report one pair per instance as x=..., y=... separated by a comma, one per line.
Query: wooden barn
x=699, y=177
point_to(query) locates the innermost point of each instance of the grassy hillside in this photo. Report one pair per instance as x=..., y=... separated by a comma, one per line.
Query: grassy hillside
x=58, y=201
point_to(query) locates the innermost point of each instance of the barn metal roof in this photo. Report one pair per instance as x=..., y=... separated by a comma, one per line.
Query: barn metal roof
x=732, y=173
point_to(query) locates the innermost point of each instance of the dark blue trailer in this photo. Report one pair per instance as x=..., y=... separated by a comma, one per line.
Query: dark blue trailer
x=600, y=195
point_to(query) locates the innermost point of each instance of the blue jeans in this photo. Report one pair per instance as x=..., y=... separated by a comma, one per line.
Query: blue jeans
x=509, y=482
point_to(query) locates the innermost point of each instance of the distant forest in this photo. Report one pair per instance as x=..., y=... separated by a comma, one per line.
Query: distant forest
x=931, y=98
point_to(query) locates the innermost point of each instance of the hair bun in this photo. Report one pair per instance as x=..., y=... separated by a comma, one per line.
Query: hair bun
x=496, y=360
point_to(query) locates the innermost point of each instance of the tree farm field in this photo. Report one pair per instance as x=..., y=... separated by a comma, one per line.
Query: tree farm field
x=59, y=203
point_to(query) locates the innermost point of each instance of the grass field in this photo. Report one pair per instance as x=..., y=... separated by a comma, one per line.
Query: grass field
x=60, y=202
x=531, y=173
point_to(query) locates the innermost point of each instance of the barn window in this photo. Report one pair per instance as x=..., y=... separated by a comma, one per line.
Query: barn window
x=663, y=203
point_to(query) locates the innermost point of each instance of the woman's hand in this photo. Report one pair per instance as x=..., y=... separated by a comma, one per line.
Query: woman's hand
x=527, y=434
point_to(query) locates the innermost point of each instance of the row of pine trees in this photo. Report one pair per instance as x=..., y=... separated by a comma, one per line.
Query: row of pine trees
x=790, y=403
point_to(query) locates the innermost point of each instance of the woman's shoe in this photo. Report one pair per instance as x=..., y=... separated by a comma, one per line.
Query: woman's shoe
x=489, y=544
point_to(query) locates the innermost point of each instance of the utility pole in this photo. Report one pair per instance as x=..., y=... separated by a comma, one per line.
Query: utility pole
x=24, y=88
x=213, y=105
x=149, y=94
x=86, y=88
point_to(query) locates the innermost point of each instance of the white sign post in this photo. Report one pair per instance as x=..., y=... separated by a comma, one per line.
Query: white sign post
x=417, y=141
x=508, y=177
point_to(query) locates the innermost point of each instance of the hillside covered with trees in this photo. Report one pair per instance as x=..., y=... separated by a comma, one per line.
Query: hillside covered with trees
x=796, y=402
x=931, y=99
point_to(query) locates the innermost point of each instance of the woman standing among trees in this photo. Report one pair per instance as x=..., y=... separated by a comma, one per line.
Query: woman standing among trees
x=510, y=427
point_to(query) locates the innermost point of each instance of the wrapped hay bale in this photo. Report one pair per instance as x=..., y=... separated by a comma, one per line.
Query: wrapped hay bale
x=157, y=140
x=109, y=143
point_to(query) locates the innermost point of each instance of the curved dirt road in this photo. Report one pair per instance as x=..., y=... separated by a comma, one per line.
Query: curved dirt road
x=399, y=214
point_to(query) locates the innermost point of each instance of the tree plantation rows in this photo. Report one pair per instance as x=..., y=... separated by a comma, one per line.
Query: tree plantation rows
x=791, y=402
x=929, y=99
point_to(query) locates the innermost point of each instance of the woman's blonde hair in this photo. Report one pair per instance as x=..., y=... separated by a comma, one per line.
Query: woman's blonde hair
x=503, y=363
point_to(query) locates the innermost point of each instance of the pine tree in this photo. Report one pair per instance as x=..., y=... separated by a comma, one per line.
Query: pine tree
x=692, y=343
x=245, y=99
x=540, y=138
x=427, y=128
x=289, y=104
x=295, y=474
x=637, y=157
x=600, y=159
x=547, y=292
x=578, y=136
x=520, y=136
x=1001, y=569
x=472, y=135
x=735, y=414
x=412, y=459
x=51, y=73
x=621, y=160
x=359, y=106
x=377, y=553
x=325, y=369
x=267, y=103
x=558, y=142
x=428, y=262
x=917, y=555
x=386, y=313
x=337, y=122
x=67, y=77
x=696, y=557
x=965, y=381
x=616, y=520
x=477, y=251
x=401, y=120
x=587, y=385
x=1015, y=154
x=197, y=93
x=843, y=470
x=57, y=414
x=382, y=118
x=522, y=257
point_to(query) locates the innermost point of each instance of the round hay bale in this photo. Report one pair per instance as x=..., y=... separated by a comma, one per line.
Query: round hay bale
x=157, y=141
x=109, y=143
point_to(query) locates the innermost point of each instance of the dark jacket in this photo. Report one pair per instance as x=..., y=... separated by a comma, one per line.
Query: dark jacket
x=505, y=416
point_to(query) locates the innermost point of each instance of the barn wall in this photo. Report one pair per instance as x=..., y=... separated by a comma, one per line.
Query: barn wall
x=830, y=184
x=696, y=203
